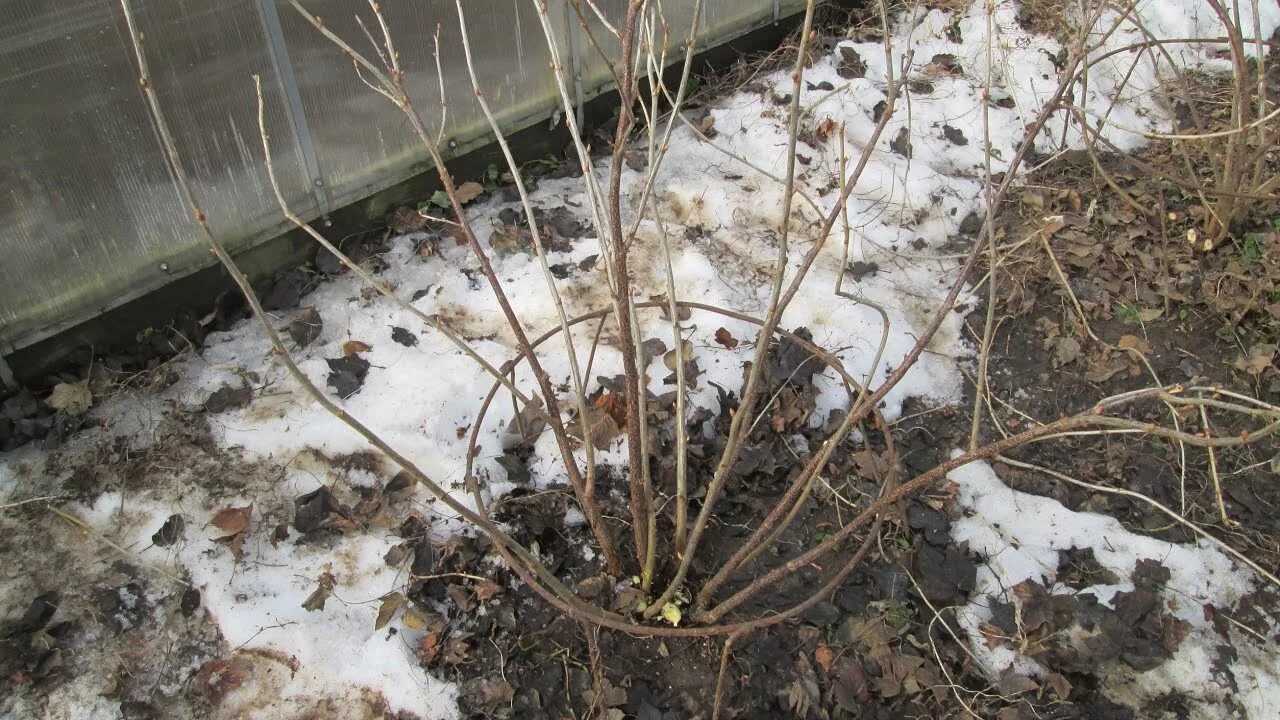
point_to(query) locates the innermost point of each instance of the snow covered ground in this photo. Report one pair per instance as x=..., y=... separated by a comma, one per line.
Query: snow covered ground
x=722, y=218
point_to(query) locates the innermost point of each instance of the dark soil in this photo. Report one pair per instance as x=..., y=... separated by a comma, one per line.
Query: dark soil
x=1196, y=318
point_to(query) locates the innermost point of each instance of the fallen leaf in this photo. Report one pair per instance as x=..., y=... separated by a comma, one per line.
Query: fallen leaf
x=355, y=347
x=219, y=677
x=317, y=598
x=851, y=64
x=1133, y=342
x=943, y=64
x=824, y=657
x=606, y=695
x=170, y=532
x=1059, y=684
x=486, y=589
x=232, y=520
x=1014, y=684
x=825, y=128
x=320, y=510
x=683, y=313
x=1259, y=359
x=1065, y=350
x=652, y=348
x=468, y=191
x=429, y=648
x=491, y=692
x=686, y=354
x=235, y=543
x=955, y=136
x=456, y=650
x=387, y=609
x=227, y=397
x=461, y=598
x=901, y=143
x=71, y=398
x=415, y=618
x=305, y=328
x=347, y=374
x=724, y=338
x=403, y=336
x=614, y=405
x=850, y=689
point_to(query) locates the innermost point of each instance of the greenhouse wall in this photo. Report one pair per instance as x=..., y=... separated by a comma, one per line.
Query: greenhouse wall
x=90, y=217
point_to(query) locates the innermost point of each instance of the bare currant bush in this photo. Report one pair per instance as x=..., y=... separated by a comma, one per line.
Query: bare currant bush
x=661, y=548
x=1223, y=147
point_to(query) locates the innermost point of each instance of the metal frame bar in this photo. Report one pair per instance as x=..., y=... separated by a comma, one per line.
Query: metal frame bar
x=283, y=66
x=6, y=375
x=576, y=49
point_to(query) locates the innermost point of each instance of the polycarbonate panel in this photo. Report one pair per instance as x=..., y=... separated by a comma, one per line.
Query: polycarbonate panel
x=721, y=20
x=89, y=213
x=363, y=141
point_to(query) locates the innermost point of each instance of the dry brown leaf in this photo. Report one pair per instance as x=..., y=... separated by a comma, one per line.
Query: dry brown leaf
x=1133, y=342
x=461, y=598
x=824, y=657
x=219, y=677
x=1103, y=368
x=724, y=338
x=232, y=520
x=355, y=347
x=683, y=313
x=1059, y=684
x=992, y=635
x=317, y=598
x=235, y=543
x=429, y=648
x=686, y=354
x=606, y=695
x=386, y=610
x=614, y=405
x=1065, y=351
x=468, y=191
x=1052, y=226
x=603, y=428
x=870, y=464
x=825, y=128
x=1014, y=684
x=1258, y=360
x=414, y=619
x=486, y=589
x=71, y=398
